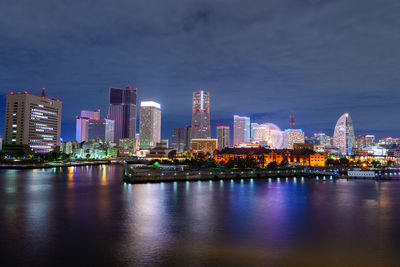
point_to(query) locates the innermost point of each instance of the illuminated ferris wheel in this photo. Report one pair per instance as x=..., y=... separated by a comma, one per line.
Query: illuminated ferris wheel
x=269, y=134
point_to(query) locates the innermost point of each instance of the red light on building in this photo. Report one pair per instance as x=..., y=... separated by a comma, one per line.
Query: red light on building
x=11, y=93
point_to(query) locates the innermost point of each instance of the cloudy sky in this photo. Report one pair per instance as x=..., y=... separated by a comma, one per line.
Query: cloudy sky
x=261, y=58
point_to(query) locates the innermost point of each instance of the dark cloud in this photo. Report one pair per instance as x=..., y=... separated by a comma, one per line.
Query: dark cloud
x=316, y=58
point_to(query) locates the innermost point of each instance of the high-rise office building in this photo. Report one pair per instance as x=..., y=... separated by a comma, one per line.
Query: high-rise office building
x=291, y=137
x=82, y=124
x=101, y=129
x=223, y=136
x=241, y=129
x=150, y=124
x=187, y=135
x=201, y=115
x=122, y=110
x=343, y=137
x=33, y=120
x=81, y=134
x=178, y=139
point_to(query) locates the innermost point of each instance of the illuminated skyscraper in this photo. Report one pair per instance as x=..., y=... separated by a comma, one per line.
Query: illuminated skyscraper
x=82, y=124
x=33, y=120
x=122, y=110
x=201, y=115
x=241, y=129
x=223, y=136
x=291, y=137
x=81, y=134
x=178, y=139
x=150, y=124
x=101, y=129
x=343, y=137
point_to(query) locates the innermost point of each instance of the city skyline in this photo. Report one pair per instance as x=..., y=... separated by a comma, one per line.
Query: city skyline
x=329, y=58
x=214, y=123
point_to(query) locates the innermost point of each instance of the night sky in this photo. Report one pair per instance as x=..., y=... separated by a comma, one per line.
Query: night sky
x=260, y=58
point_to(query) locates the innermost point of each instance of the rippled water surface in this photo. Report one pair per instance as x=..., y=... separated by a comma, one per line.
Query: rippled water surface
x=87, y=216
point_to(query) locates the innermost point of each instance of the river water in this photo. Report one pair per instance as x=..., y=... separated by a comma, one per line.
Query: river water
x=88, y=216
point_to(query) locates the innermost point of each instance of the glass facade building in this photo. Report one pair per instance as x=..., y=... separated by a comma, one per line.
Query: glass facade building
x=343, y=137
x=122, y=110
x=223, y=136
x=150, y=124
x=201, y=115
x=101, y=129
x=178, y=139
x=241, y=129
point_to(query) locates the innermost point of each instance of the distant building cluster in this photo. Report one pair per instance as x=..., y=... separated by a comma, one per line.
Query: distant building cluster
x=34, y=122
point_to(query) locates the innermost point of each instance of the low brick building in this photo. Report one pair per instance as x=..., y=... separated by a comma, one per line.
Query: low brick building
x=264, y=156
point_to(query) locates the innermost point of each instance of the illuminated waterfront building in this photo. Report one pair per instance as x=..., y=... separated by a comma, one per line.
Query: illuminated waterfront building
x=101, y=129
x=263, y=156
x=241, y=129
x=204, y=145
x=267, y=134
x=150, y=124
x=223, y=136
x=178, y=139
x=292, y=136
x=201, y=115
x=33, y=120
x=122, y=110
x=343, y=137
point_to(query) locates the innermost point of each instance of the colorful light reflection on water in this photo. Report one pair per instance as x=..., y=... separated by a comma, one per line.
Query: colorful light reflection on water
x=86, y=215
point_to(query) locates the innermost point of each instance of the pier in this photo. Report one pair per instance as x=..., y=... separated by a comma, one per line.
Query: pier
x=132, y=175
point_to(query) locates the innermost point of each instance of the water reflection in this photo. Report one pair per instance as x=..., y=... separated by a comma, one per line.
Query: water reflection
x=53, y=216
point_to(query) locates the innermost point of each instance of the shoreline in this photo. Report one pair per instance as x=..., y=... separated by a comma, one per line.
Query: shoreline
x=48, y=166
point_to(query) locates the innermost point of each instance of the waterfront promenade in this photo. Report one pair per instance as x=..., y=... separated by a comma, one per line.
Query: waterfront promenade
x=53, y=164
x=134, y=175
